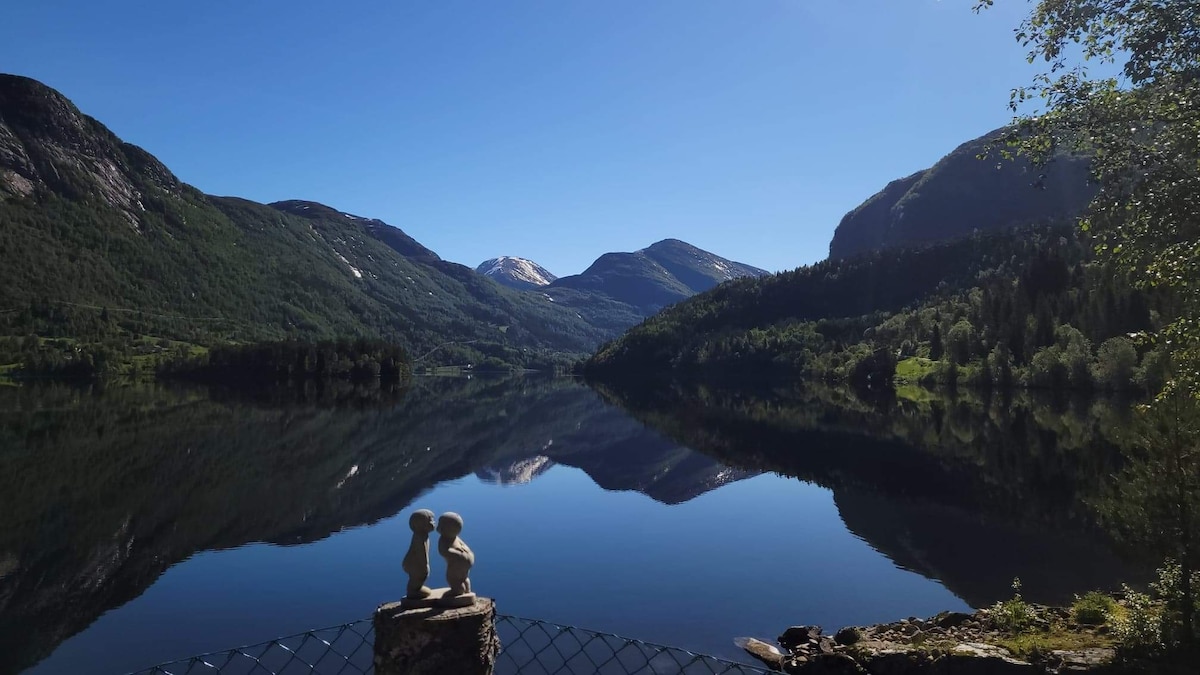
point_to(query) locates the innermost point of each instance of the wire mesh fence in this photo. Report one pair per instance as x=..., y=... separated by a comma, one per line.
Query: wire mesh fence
x=340, y=650
x=529, y=647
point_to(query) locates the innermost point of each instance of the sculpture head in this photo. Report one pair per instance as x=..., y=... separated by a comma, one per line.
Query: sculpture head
x=450, y=524
x=421, y=521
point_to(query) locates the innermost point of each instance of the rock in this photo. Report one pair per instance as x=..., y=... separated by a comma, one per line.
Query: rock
x=1080, y=661
x=951, y=619
x=799, y=635
x=975, y=658
x=951, y=643
x=830, y=664
x=762, y=651
x=847, y=636
x=896, y=663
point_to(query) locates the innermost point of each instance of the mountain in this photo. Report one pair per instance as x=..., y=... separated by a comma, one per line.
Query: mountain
x=656, y=276
x=394, y=237
x=1004, y=310
x=768, y=325
x=516, y=272
x=973, y=265
x=961, y=194
x=102, y=244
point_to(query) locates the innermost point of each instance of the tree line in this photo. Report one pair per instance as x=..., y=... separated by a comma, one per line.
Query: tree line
x=360, y=360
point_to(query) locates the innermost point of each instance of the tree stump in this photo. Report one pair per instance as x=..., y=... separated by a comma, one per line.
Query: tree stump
x=436, y=640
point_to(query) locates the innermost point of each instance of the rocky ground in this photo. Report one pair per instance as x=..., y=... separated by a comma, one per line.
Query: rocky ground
x=951, y=643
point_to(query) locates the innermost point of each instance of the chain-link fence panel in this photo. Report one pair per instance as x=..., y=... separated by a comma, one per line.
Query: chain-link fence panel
x=340, y=650
x=529, y=647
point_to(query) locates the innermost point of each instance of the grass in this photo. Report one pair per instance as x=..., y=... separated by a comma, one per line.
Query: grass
x=1031, y=644
x=1014, y=616
x=912, y=370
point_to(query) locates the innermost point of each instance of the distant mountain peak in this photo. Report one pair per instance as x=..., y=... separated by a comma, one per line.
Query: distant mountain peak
x=515, y=272
x=661, y=274
x=668, y=243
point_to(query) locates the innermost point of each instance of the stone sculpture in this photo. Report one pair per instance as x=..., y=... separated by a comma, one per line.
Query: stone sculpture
x=416, y=561
x=459, y=560
x=459, y=557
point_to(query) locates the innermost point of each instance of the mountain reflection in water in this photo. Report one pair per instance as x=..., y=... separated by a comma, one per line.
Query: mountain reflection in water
x=103, y=492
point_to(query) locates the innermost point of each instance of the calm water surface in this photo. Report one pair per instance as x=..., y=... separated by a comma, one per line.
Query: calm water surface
x=148, y=525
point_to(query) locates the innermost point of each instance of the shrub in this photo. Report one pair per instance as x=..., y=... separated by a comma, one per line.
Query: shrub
x=1138, y=624
x=1013, y=615
x=1093, y=609
x=1170, y=590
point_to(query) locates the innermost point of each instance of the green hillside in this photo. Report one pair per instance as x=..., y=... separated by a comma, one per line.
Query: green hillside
x=101, y=244
x=1022, y=308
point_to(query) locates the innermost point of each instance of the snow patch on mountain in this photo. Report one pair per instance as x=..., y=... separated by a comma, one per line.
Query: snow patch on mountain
x=353, y=270
x=513, y=271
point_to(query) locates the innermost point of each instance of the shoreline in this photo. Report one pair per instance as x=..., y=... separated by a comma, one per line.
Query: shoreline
x=955, y=643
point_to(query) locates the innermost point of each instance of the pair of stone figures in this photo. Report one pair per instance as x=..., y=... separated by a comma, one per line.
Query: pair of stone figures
x=459, y=560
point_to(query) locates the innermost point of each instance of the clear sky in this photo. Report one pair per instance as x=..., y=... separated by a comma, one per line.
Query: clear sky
x=554, y=130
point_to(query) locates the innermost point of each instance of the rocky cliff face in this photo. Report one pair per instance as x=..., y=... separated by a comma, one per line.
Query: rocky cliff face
x=961, y=194
x=48, y=145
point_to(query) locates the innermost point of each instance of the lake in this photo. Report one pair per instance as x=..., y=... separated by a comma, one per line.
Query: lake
x=147, y=524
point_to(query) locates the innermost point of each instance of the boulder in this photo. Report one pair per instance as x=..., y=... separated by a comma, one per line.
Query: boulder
x=976, y=658
x=897, y=663
x=1079, y=661
x=798, y=635
x=951, y=619
x=762, y=651
x=847, y=636
x=827, y=664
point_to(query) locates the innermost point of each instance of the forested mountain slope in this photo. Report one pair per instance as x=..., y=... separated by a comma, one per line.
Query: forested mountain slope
x=99, y=242
x=1024, y=307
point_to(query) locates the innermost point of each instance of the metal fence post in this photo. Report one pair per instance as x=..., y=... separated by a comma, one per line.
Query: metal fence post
x=435, y=640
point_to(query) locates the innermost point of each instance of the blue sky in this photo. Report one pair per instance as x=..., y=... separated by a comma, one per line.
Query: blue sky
x=555, y=130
